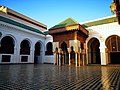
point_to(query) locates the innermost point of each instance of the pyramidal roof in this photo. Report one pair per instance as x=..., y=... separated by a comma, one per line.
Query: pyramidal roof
x=65, y=23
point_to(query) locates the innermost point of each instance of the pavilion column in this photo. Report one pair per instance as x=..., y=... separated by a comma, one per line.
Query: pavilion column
x=69, y=55
x=56, y=58
x=83, y=57
x=76, y=60
x=56, y=52
x=60, y=57
x=65, y=58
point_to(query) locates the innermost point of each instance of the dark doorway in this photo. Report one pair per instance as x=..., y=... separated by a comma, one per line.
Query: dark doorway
x=25, y=47
x=65, y=54
x=37, y=52
x=113, y=46
x=72, y=56
x=115, y=57
x=94, y=51
x=7, y=47
x=24, y=50
x=49, y=48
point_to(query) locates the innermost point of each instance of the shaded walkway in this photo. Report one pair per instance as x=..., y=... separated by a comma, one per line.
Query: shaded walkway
x=45, y=76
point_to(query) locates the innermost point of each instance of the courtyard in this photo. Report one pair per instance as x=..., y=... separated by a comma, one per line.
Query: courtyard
x=52, y=77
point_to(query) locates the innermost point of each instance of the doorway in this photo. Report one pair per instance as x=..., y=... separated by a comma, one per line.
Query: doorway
x=94, y=51
x=7, y=48
x=65, y=55
x=113, y=47
x=37, y=52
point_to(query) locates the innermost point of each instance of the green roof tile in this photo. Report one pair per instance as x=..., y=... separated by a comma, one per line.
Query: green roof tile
x=46, y=33
x=100, y=22
x=65, y=23
x=20, y=25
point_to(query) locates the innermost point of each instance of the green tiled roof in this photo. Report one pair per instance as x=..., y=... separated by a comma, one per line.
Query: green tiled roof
x=66, y=22
x=100, y=22
x=46, y=33
x=20, y=25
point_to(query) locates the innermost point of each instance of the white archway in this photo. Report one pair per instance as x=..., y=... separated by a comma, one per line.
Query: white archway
x=39, y=52
x=25, y=50
x=93, y=51
x=113, y=49
x=7, y=48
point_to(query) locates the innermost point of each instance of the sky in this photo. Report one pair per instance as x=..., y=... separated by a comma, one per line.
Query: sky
x=52, y=12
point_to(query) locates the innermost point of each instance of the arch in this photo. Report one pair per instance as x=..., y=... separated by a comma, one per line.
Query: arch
x=65, y=55
x=29, y=41
x=72, y=56
x=25, y=47
x=49, y=48
x=25, y=50
x=7, y=47
x=64, y=47
x=9, y=35
x=113, y=49
x=38, y=52
x=94, y=51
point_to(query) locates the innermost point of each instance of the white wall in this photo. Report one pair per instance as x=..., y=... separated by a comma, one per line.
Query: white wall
x=20, y=34
x=102, y=32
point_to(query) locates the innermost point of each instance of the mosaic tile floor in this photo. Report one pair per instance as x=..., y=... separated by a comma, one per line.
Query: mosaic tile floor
x=52, y=77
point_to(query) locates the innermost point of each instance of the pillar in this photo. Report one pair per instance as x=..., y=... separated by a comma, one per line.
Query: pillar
x=103, y=54
x=69, y=55
x=78, y=58
x=55, y=58
x=62, y=58
x=59, y=59
x=76, y=61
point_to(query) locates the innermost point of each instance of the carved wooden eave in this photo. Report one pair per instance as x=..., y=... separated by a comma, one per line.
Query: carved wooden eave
x=76, y=27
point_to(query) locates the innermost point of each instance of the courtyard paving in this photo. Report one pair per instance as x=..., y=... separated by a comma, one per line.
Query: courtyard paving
x=52, y=77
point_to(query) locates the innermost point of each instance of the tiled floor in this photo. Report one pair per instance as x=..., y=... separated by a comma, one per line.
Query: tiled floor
x=52, y=77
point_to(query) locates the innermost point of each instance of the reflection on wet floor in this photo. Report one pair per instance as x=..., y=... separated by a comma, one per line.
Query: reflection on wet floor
x=52, y=77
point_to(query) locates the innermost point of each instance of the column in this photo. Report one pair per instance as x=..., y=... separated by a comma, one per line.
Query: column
x=83, y=59
x=31, y=56
x=78, y=58
x=59, y=59
x=69, y=55
x=14, y=59
x=83, y=56
x=55, y=58
x=56, y=55
x=76, y=61
x=69, y=59
x=103, y=56
x=62, y=58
